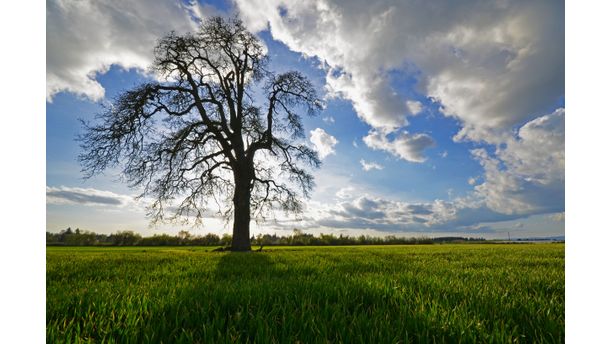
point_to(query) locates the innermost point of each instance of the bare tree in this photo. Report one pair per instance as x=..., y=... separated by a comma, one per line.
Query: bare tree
x=198, y=135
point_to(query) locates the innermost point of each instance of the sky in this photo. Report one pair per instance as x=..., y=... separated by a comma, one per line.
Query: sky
x=442, y=118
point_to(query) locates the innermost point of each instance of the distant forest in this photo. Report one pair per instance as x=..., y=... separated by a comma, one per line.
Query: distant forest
x=78, y=237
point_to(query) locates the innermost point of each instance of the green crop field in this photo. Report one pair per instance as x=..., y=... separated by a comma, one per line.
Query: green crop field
x=391, y=294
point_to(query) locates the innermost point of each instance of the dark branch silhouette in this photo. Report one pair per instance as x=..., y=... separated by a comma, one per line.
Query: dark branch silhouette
x=198, y=135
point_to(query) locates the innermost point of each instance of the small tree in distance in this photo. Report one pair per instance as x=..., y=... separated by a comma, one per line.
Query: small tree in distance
x=199, y=135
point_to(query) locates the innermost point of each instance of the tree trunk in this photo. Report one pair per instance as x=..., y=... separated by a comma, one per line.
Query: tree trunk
x=241, y=240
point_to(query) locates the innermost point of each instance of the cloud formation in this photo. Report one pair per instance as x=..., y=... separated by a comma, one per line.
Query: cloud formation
x=405, y=146
x=366, y=166
x=323, y=142
x=85, y=38
x=329, y=119
x=522, y=178
x=414, y=107
x=476, y=58
x=85, y=196
x=493, y=66
x=365, y=212
x=527, y=176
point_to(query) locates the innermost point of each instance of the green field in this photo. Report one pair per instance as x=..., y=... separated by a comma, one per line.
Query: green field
x=390, y=294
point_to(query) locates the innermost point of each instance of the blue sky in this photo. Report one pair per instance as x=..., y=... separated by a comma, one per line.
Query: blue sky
x=447, y=126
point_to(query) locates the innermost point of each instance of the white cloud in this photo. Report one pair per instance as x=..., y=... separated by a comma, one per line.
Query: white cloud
x=329, y=120
x=414, y=106
x=404, y=145
x=463, y=215
x=476, y=58
x=366, y=166
x=524, y=178
x=85, y=38
x=528, y=175
x=346, y=192
x=373, y=99
x=86, y=196
x=324, y=143
x=492, y=65
x=321, y=28
x=559, y=217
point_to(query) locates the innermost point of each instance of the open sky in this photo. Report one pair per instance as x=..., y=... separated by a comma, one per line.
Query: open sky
x=442, y=118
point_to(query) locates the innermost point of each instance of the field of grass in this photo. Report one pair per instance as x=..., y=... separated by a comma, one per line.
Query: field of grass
x=391, y=294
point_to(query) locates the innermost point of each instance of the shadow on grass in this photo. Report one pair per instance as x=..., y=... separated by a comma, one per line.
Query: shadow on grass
x=261, y=298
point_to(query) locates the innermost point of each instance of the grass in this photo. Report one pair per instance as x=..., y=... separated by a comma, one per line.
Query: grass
x=390, y=294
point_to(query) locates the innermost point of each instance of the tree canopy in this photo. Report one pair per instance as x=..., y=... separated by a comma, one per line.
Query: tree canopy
x=217, y=129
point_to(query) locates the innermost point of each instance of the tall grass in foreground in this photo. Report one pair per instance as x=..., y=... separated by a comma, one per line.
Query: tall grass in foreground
x=403, y=294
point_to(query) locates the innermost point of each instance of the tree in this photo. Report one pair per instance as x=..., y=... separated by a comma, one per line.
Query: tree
x=184, y=236
x=197, y=137
x=125, y=238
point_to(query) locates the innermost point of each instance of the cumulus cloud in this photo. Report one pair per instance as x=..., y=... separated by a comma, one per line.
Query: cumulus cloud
x=377, y=213
x=491, y=65
x=476, y=58
x=345, y=193
x=372, y=97
x=85, y=38
x=366, y=166
x=323, y=142
x=415, y=107
x=527, y=176
x=523, y=177
x=86, y=196
x=405, y=146
x=323, y=29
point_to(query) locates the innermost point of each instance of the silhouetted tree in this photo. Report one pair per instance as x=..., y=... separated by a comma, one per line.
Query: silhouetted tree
x=198, y=134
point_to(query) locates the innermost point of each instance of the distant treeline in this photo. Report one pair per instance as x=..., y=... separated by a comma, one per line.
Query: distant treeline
x=77, y=237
